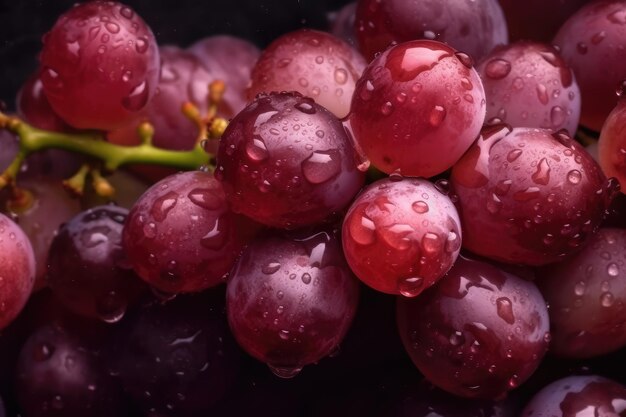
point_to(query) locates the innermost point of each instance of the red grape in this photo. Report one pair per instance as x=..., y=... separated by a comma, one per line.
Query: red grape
x=528, y=196
x=591, y=42
x=87, y=269
x=33, y=106
x=99, y=65
x=417, y=108
x=316, y=64
x=587, y=295
x=529, y=85
x=474, y=27
x=578, y=396
x=400, y=237
x=478, y=333
x=612, y=144
x=290, y=299
x=180, y=236
x=286, y=162
x=17, y=270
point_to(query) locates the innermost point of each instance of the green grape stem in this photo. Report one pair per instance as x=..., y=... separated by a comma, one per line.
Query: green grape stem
x=93, y=144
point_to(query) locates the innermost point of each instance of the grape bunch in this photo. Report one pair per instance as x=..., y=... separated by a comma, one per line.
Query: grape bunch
x=391, y=208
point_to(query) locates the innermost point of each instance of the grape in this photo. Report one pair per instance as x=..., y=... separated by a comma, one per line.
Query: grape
x=612, y=146
x=290, y=299
x=591, y=43
x=178, y=358
x=413, y=224
x=537, y=20
x=87, y=268
x=478, y=333
x=529, y=85
x=316, y=64
x=578, y=396
x=586, y=295
x=342, y=23
x=34, y=107
x=99, y=65
x=51, y=206
x=528, y=196
x=59, y=374
x=286, y=162
x=180, y=236
x=417, y=108
x=473, y=27
x=17, y=270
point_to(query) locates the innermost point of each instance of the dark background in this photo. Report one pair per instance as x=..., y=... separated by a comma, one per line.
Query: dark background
x=181, y=22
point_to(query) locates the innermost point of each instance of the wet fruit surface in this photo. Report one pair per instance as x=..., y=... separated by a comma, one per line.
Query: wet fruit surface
x=478, y=333
x=417, y=108
x=401, y=235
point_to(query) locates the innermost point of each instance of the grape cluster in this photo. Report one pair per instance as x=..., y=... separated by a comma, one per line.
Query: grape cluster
x=391, y=215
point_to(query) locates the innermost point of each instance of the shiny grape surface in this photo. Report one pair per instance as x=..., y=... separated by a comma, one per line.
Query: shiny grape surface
x=478, y=333
x=417, y=108
x=400, y=236
x=612, y=145
x=286, y=162
x=181, y=236
x=473, y=27
x=99, y=65
x=291, y=299
x=17, y=270
x=528, y=196
x=587, y=295
x=591, y=38
x=528, y=84
x=87, y=268
x=316, y=64
x=576, y=396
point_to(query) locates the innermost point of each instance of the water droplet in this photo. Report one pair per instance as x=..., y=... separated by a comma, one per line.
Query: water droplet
x=137, y=98
x=410, y=287
x=465, y=59
x=306, y=278
x=542, y=174
x=612, y=269
x=580, y=288
x=341, y=76
x=574, y=176
x=127, y=12
x=504, y=308
x=431, y=243
x=362, y=229
x=285, y=371
x=271, y=268
x=127, y=76
x=112, y=27
x=205, y=198
x=542, y=94
x=598, y=37
x=256, y=150
x=321, y=166
x=305, y=107
x=141, y=45
x=437, y=116
x=52, y=81
x=163, y=205
x=420, y=207
x=453, y=243
x=618, y=17
x=513, y=155
x=386, y=109
x=606, y=299
x=457, y=339
x=111, y=308
x=498, y=68
x=527, y=194
x=514, y=381
x=43, y=352
x=150, y=230
x=93, y=32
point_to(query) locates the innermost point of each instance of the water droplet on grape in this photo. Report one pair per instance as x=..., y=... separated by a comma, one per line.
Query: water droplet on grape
x=437, y=116
x=420, y=207
x=137, y=98
x=498, y=68
x=612, y=269
x=112, y=27
x=141, y=45
x=256, y=150
x=542, y=94
x=271, y=268
x=410, y=287
x=457, y=339
x=504, y=308
x=306, y=278
x=513, y=155
x=203, y=197
x=574, y=176
x=127, y=12
x=542, y=174
x=465, y=59
x=305, y=107
x=431, y=243
x=284, y=371
x=606, y=299
x=321, y=166
x=387, y=108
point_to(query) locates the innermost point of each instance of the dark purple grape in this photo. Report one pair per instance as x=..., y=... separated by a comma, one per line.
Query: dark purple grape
x=17, y=270
x=417, y=108
x=413, y=224
x=291, y=299
x=528, y=84
x=528, y=196
x=473, y=27
x=87, y=268
x=591, y=42
x=33, y=106
x=178, y=358
x=59, y=374
x=478, y=333
x=286, y=162
x=587, y=297
x=580, y=396
x=315, y=64
x=181, y=236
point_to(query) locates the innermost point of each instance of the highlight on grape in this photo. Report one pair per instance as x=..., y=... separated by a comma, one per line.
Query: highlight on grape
x=385, y=208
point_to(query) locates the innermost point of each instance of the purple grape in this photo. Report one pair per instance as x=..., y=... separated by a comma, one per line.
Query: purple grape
x=87, y=269
x=178, y=358
x=33, y=106
x=478, y=333
x=287, y=162
x=291, y=299
x=181, y=236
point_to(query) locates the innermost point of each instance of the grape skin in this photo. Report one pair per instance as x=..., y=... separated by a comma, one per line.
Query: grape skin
x=612, y=145
x=99, y=65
